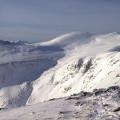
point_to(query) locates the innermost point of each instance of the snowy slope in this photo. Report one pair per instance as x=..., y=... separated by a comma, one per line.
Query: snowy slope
x=86, y=67
x=81, y=74
x=36, y=72
x=100, y=105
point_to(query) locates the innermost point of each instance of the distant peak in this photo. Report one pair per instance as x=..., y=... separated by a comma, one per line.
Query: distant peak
x=4, y=42
x=18, y=42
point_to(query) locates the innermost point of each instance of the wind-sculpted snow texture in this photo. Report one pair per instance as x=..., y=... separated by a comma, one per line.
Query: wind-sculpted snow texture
x=102, y=104
x=74, y=62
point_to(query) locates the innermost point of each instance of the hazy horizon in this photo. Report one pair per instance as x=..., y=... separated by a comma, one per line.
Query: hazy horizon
x=40, y=20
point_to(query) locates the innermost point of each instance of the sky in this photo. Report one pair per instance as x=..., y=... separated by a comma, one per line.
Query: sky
x=41, y=20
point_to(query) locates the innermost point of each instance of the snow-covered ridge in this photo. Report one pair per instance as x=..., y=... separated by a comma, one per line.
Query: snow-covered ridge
x=60, y=67
x=69, y=38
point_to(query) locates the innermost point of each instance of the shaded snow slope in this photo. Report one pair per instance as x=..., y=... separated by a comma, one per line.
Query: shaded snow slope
x=102, y=104
x=35, y=72
x=15, y=96
x=15, y=73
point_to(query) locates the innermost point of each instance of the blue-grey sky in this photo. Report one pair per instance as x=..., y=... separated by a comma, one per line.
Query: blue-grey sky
x=39, y=20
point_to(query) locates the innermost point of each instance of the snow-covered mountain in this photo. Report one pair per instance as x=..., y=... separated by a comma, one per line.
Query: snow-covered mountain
x=74, y=62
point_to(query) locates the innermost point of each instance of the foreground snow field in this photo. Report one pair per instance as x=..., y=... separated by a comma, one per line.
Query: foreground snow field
x=102, y=104
x=37, y=72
